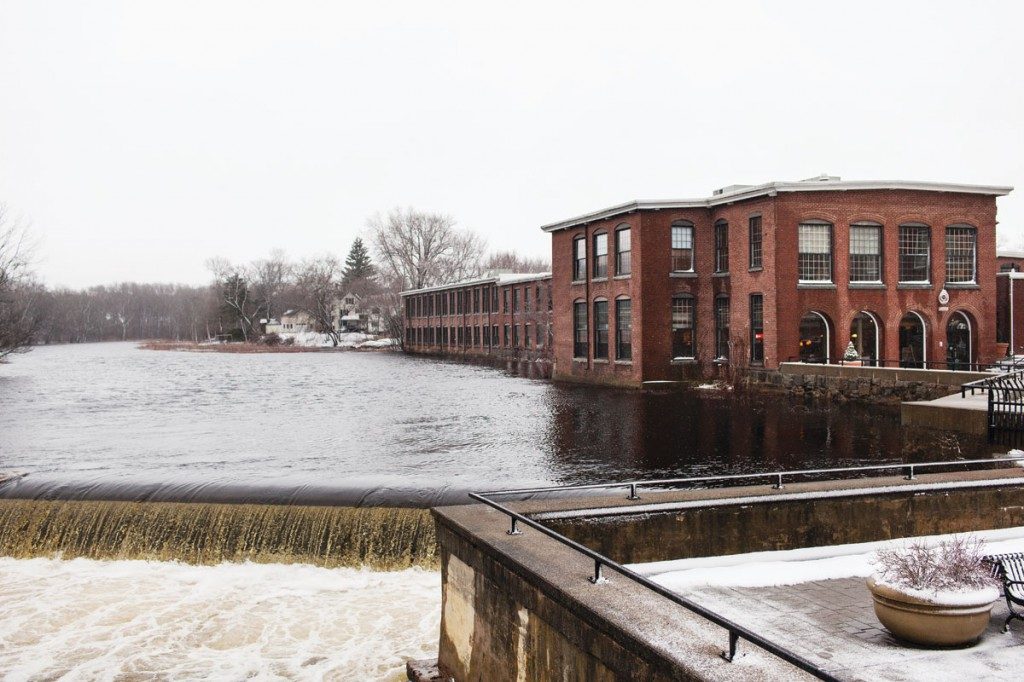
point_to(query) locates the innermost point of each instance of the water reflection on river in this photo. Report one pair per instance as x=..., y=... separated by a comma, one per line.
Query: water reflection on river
x=400, y=428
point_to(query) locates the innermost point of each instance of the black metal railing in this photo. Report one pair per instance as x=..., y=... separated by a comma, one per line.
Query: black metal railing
x=952, y=366
x=1006, y=408
x=777, y=478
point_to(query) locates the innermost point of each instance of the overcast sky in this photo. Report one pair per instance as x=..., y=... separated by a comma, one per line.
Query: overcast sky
x=141, y=138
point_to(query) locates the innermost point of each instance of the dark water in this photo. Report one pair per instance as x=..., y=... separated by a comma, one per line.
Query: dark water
x=112, y=421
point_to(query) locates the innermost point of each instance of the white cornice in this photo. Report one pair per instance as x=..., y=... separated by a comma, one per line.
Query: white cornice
x=771, y=189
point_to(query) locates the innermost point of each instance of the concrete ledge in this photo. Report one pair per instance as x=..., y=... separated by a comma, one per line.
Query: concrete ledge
x=951, y=413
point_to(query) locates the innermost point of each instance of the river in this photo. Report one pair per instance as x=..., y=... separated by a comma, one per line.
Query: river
x=102, y=425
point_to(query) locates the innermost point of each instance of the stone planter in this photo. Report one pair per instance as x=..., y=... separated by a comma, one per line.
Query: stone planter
x=933, y=620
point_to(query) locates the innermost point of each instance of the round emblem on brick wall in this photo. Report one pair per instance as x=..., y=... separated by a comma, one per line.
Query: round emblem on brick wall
x=943, y=297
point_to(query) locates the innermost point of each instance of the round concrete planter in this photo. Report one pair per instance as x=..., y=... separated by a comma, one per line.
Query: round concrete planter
x=933, y=621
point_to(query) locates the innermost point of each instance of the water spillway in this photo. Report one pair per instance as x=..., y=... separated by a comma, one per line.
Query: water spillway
x=211, y=533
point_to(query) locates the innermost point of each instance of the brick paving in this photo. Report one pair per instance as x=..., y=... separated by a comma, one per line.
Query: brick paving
x=832, y=623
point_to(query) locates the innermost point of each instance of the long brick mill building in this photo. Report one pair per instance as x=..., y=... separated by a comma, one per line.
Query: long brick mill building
x=752, y=276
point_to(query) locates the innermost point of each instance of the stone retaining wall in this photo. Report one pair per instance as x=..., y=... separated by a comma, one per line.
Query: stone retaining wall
x=842, y=383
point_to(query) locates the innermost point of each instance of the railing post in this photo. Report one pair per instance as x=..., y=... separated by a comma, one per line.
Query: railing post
x=632, y=492
x=597, y=578
x=514, y=530
x=778, y=481
x=910, y=473
x=731, y=653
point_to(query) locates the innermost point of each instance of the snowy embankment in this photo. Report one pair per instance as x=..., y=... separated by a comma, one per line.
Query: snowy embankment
x=790, y=567
x=347, y=340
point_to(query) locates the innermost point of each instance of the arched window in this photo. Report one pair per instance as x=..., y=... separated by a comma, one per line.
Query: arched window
x=815, y=338
x=915, y=253
x=579, y=323
x=722, y=246
x=682, y=246
x=579, y=259
x=960, y=254
x=623, y=251
x=600, y=255
x=623, y=329
x=601, y=329
x=959, y=353
x=684, y=345
x=866, y=337
x=913, y=341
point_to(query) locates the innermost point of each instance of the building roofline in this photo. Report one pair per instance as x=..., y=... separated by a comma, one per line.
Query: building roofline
x=496, y=279
x=1009, y=254
x=770, y=189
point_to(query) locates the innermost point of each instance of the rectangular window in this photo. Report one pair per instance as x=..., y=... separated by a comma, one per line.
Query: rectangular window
x=600, y=329
x=754, y=228
x=515, y=300
x=623, y=252
x=623, y=329
x=815, y=246
x=682, y=328
x=579, y=262
x=757, y=329
x=526, y=298
x=508, y=336
x=539, y=331
x=915, y=253
x=722, y=328
x=601, y=255
x=722, y=247
x=494, y=299
x=495, y=339
x=682, y=248
x=515, y=336
x=960, y=254
x=504, y=301
x=579, y=321
x=865, y=253
x=526, y=336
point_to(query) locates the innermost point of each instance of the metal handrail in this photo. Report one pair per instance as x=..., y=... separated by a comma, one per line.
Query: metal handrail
x=736, y=631
x=990, y=383
x=886, y=363
x=777, y=475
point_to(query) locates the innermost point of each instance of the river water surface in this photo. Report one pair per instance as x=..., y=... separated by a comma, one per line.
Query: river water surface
x=384, y=428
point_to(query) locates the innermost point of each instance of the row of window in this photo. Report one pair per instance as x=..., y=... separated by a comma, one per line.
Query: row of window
x=815, y=253
x=479, y=300
x=684, y=327
x=482, y=336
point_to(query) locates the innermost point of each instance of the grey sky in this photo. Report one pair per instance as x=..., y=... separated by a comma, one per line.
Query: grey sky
x=141, y=137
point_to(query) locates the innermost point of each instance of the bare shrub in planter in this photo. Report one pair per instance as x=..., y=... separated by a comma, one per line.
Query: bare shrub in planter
x=936, y=596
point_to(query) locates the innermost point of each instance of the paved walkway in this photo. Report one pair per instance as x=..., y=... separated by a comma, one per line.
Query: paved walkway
x=833, y=624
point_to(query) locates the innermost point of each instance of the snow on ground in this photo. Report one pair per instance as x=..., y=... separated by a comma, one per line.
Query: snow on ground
x=790, y=567
x=345, y=340
x=91, y=620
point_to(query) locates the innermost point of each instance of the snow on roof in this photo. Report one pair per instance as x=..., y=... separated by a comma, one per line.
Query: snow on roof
x=1009, y=254
x=733, y=193
x=499, y=279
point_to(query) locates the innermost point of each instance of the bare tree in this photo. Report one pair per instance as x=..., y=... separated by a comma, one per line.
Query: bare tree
x=318, y=283
x=270, y=276
x=18, y=292
x=424, y=249
x=234, y=286
x=513, y=262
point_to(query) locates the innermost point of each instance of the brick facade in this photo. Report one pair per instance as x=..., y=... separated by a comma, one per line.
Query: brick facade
x=651, y=284
x=502, y=317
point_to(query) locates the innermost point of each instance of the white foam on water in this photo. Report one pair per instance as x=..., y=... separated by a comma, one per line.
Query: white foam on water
x=85, y=620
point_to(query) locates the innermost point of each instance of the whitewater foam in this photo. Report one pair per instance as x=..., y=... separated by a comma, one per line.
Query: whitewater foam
x=85, y=619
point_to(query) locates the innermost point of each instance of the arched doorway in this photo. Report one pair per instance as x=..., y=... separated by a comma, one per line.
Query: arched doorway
x=864, y=333
x=815, y=338
x=958, y=342
x=913, y=341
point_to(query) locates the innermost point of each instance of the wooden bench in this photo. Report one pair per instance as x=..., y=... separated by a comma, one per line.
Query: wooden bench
x=1010, y=569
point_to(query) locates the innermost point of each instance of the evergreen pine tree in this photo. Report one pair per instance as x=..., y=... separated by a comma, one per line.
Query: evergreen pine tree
x=358, y=265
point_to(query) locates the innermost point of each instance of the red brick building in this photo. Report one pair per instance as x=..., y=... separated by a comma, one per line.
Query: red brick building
x=502, y=316
x=1010, y=314
x=758, y=275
